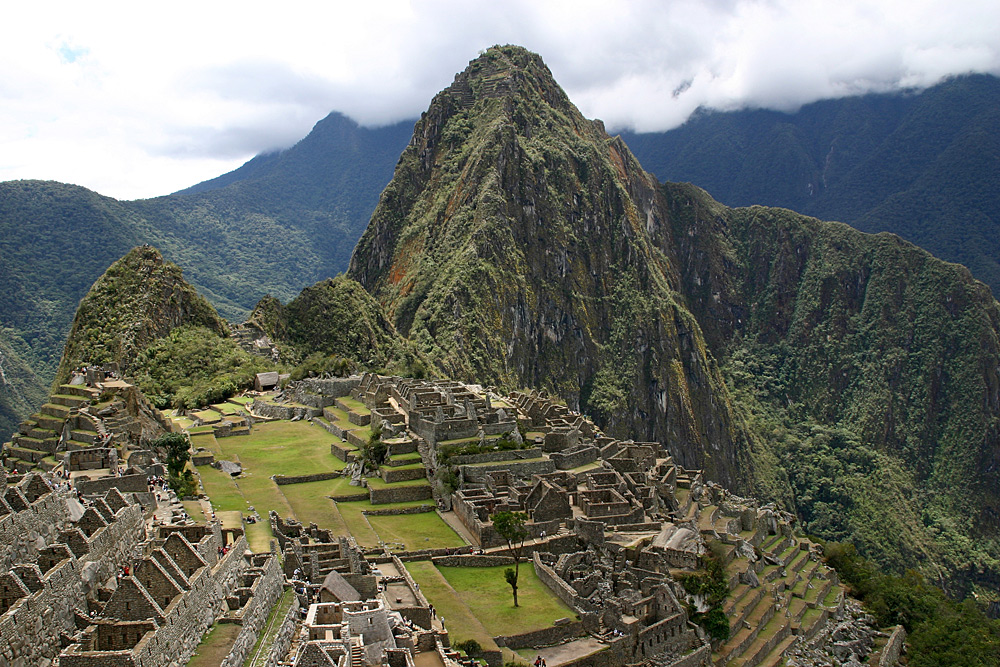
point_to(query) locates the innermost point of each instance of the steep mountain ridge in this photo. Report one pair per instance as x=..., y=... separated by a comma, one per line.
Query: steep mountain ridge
x=515, y=245
x=518, y=244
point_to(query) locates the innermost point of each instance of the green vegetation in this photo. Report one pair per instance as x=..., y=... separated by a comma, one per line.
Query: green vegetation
x=510, y=526
x=487, y=596
x=711, y=583
x=178, y=451
x=941, y=631
x=917, y=165
x=125, y=311
x=215, y=645
x=446, y=452
x=193, y=367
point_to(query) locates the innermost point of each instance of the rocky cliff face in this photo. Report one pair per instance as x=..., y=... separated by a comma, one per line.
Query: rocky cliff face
x=850, y=375
x=139, y=298
x=519, y=244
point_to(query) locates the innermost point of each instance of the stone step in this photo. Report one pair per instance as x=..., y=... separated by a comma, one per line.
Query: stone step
x=80, y=390
x=68, y=400
x=42, y=434
x=84, y=436
x=55, y=410
x=49, y=422
x=48, y=445
x=32, y=455
x=776, y=657
x=73, y=445
x=775, y=631
x=48, y=464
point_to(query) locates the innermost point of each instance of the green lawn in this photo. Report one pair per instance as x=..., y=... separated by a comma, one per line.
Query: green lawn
x=460, y=622
x=310, y=503
x=379, y=483
x=283, y=448
x=416, y=531
x=355, y=405
x=215, y=645
x=488, y=596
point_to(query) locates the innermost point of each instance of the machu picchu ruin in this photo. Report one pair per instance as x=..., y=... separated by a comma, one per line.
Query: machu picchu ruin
x=618, y=535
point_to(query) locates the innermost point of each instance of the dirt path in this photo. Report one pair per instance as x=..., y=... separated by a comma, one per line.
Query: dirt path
x=568, y=652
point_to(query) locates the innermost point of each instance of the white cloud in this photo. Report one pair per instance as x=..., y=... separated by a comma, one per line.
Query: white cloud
x=139, y=99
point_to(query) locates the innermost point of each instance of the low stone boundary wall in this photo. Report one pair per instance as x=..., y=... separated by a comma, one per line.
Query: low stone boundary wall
x=254, y=617
x=419, y=509
x=101, y=485
x=555, y=634
x=277, y=411
x=399, y=494
x=496, y=456
x=343, y=451
x=300, y=479
x=351, y=497
x=472, y=560
x=892, y=649
x=391, y=475
x=477, y=474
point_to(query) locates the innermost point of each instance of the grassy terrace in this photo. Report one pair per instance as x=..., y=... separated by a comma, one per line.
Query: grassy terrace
x=460, y=622
x=415, y=531
x=258, y=656
x=476, y=601
x=355, y=405
x=215, y=645
x=300, y=448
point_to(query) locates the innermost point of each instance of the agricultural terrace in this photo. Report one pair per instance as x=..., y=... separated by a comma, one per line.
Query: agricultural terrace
x=300, y=448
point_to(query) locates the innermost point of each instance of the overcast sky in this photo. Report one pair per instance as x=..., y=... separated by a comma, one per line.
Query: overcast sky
x=138, y=99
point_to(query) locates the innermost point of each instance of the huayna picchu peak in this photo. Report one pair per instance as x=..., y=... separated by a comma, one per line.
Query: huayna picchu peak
x=519, y=244
x=585, y=415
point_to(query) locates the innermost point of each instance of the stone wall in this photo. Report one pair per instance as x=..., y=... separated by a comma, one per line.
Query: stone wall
x=399, y=494
x=254, y=617
x=283, y=640
x=574, y=458
x=893, y=647
x=298, y=479
x=472, y=560
x=419, y=509
x=20, y=531
x=477, y=474
x=279, y=411
x=555, y=634
x=496, y=457
x=392, y=475
x=126, y=484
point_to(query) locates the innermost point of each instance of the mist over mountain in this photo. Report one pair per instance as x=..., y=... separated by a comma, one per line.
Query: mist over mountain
x=925, y=166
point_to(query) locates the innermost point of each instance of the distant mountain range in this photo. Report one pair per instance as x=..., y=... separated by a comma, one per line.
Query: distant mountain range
x=923, y=166
x=278, y=223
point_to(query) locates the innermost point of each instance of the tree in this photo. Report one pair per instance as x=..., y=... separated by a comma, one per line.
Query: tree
x=374, y=451
x=178, y=454
x=510, y=526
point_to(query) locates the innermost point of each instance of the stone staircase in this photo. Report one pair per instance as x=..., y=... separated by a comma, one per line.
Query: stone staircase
x=40, y=436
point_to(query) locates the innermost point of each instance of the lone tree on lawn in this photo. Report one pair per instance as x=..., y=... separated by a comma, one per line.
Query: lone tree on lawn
x=510, y=526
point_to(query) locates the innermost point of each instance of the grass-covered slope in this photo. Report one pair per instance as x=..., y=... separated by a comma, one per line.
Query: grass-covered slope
x=336, y=319
x=139, y=299
x=518, y=244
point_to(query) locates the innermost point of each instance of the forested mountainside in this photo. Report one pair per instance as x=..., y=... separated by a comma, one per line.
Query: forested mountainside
x=278, y=223
x=850, y=375
x=925, y=166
